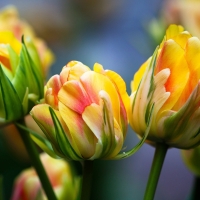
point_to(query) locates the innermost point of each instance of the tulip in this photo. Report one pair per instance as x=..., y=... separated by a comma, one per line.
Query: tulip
x=85, y=112
x=167, y=86
x=11, y=21
x=185, y=12
x=21, y=80
x=27, y=184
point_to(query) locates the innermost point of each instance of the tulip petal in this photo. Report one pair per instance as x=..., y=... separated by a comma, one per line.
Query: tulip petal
x=192, y=55
x=81, y=135
x=93, y=117
x=141, y=103
x=51, y=91
x=72, y=71
x=73, y=95
x=184, y=123
x=42, y=116
x=138, y=75
x=173, y=31
x=62, y=139
x=176, y=63
x=94, y=82
x=110, y=136
x=123, y=97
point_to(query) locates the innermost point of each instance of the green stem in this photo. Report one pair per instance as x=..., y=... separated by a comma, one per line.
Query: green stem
x=159, y=157
x=35, y=159
x=87, y=179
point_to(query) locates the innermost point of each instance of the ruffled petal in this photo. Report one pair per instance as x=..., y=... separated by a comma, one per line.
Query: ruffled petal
x=176, y=62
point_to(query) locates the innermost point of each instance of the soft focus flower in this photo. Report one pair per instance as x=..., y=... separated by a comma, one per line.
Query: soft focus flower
x=84, y=115
x=10, y=21
x=27, y=185
x=191, y=159
x=169, y=85
x=21, y=82
x=184, y=12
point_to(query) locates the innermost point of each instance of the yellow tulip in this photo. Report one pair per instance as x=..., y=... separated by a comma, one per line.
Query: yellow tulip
x=168, y=85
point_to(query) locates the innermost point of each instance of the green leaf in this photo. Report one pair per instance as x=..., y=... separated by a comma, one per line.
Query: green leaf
x=42, y=142
x=141, y=142
x=11, y=102
x=35, y=67
x=27, y=75
x=62, y=139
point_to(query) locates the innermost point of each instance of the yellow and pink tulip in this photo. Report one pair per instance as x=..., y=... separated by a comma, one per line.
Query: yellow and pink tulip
x=65, y=184
x=167, y=85
x=85, y=112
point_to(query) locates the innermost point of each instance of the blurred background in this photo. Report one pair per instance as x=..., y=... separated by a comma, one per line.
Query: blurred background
x=117, y=34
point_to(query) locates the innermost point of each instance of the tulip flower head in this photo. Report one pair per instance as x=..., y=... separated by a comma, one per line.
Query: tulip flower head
x=85, y=112
x=11, y=21
x=21, y=79
x=168, y=83
x=66, y=186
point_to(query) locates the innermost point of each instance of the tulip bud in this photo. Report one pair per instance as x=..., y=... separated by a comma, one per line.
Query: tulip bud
x=27, y=184
x=85, y=112
x=169, y=83
x=10, y=21
x=21, y=79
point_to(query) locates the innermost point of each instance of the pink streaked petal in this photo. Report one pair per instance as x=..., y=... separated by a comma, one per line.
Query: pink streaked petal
x=51, y=90
x=80, y=133
x=54, y=83
x=64, y=74
x=94, y=82
x=73, y=95
x=42, y=116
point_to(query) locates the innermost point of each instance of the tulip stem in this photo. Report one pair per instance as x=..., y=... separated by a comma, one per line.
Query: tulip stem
x=159, y=157
x=87, y=179
x=36, y=162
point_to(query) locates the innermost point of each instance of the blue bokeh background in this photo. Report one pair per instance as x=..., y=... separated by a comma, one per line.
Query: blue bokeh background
x=112, y=33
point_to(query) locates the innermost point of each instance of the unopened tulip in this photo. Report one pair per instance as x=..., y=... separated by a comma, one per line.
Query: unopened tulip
x=85, y=112
x=21, y=82
x=27, y=185
x=167, y=89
